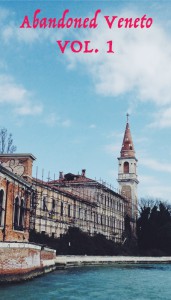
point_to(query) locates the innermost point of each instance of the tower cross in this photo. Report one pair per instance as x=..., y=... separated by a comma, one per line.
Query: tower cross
x=127, y=115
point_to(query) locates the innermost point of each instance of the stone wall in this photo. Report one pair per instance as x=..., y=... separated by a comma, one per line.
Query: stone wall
x=20, y=261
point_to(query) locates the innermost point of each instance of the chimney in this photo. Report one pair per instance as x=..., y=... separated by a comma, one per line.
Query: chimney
x=61, y=175
x=83, y=172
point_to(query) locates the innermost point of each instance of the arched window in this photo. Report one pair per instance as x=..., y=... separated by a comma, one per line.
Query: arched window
x=69, y=210
x=44, y=203
x=62, y=209
x=16, y=213
x=1, y=208
x=22, y=214
x=53, y=204
x=126, y=167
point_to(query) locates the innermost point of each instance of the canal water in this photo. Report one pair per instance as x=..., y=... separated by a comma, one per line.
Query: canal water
x=120, y=282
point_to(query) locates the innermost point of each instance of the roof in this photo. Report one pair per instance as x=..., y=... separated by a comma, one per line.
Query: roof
x=18, y=155
x=73, y=194
x=72, y=178
x=127, y=149
x=77, y=180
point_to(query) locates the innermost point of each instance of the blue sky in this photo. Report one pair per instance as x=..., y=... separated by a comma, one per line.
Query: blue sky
x=69, y=110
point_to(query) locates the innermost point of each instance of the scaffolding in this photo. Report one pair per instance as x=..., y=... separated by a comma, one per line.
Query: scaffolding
x=93, y=207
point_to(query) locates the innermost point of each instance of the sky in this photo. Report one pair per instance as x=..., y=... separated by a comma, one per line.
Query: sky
x=69, y=110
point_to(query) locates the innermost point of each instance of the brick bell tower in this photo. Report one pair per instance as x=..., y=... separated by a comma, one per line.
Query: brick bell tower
x=127, y=173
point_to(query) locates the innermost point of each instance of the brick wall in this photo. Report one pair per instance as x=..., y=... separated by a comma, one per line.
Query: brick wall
x=19, y=258
x=13, y=189
x=48, y=254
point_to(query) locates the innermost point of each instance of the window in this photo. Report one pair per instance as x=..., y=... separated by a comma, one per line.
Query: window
x=79, y=212
x=101, y=220
x=32, y=204
x=1, y=207
x=62, y=209
x=126, y=167
x=69, y=210
x=53, y=204
x=44, y=206
x=85, y=215
x=74, y=211
x=22, y=215
x=16, y=213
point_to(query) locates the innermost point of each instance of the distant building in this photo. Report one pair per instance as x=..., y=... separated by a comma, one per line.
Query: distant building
x=82, y=202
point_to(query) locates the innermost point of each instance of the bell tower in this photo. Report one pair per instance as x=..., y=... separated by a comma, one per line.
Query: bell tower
x=127, y=173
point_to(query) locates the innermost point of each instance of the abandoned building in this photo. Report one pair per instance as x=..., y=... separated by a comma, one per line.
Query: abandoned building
x=72, y=200
x=19, y=259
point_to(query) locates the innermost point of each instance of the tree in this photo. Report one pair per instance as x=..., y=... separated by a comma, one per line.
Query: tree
x=154, y=226
x=6, y=142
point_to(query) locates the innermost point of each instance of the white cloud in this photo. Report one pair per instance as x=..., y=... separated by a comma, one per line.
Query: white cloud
x=18, y=97
x=10, y=92
x=152, y=187
x=113, y=148
x=4, y=13
x=141, y=63
x=53, y=119
x=66, y=123
x=11, y=31
x=27, y=35
x=92, y=126
x=147, y=180
x=115, y=134
x=157, y=191
x=156, y=165
x=162, y=118
x=29, y=109
x=141, y=140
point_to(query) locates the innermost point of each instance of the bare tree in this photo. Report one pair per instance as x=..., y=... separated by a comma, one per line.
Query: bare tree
x=6, y=142
x=148, y=202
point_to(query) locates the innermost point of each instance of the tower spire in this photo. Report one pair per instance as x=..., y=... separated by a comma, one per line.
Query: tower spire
x=127, y=149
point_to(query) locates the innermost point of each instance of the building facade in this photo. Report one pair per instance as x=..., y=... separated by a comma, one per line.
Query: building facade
x=77, y=201
x=82, y=202
x=52, y=207
x=19, y=259
x=71, y=201
x=15, y=196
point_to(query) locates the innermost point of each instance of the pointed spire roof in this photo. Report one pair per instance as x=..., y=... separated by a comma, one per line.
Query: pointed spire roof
x=127, y=149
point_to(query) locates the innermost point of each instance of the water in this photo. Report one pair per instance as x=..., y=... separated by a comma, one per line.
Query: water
x=120, y=282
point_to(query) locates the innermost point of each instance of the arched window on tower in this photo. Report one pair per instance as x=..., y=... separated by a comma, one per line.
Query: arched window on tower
x=1, y=208
x=16, y=213
x=126, y=167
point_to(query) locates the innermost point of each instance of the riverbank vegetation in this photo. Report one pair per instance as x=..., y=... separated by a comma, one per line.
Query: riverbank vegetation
x=153, y=236
x=77, y=242
x=154, y=228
